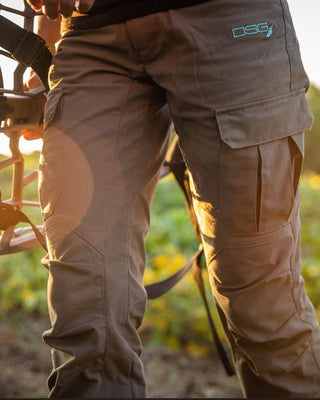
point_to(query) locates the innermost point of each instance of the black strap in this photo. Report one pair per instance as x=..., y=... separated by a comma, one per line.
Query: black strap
x=10, y=216
x=175, y=162
x=157, y=289
x=197, y=274
x=26, y=47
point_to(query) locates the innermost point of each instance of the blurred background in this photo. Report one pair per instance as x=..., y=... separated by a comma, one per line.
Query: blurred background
x=175, y=333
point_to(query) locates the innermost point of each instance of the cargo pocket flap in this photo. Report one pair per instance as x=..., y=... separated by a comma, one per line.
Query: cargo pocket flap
x=264, y=121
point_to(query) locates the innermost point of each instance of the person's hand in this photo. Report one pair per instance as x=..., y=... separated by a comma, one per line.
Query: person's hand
x=52, y=8
x=34, y=83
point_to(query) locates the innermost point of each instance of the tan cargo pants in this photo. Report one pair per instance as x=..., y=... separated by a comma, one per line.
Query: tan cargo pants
x=229, y=76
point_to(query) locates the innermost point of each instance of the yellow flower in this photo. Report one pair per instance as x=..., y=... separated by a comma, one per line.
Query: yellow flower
x=160, y=261
x=148, y=276
x=196, y=350
x=314, y=182
x=27, y=294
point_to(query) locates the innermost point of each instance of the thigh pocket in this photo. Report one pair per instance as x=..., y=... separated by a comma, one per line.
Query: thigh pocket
x=260, y=161
x=50, y=176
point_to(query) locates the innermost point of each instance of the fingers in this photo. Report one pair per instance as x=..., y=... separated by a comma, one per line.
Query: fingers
x=67, y=7
x=33, y=82
x=51, y=8
x=31, y=134
x=85, y=5
x=35, y=4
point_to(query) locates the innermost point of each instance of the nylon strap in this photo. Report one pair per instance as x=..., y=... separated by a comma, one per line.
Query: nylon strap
x=177, y=166
x=197, y=274
x=26, y=47
x=157, y=289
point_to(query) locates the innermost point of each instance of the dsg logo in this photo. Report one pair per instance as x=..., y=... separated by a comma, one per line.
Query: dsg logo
x=263, y=27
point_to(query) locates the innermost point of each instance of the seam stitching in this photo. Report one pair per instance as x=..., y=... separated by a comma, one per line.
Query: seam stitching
x=286, y=43
x=104, y=291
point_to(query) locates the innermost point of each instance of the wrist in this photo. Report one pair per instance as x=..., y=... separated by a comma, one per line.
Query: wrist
x=51, y=48
x=49, y=31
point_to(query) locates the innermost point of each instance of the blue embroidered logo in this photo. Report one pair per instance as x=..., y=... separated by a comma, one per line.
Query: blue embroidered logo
x=255, y=29
x=270, y=31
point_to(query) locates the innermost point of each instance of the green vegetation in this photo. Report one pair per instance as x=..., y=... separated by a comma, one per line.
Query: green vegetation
x=312, y=142
x=23, y=279
x=178, y=318
x=310, y=236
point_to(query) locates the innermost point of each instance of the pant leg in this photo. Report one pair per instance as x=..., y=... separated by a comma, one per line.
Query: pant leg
x=238, y=105
x=106, y=136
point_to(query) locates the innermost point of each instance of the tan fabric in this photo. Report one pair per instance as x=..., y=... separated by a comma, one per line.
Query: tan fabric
x=238, y=106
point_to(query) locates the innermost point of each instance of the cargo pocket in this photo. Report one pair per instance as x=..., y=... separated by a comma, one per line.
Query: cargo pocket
x=260, y=161
x=50, y=169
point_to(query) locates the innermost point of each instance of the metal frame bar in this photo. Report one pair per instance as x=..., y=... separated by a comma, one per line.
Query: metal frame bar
x=26, y=13
x=13, y=240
